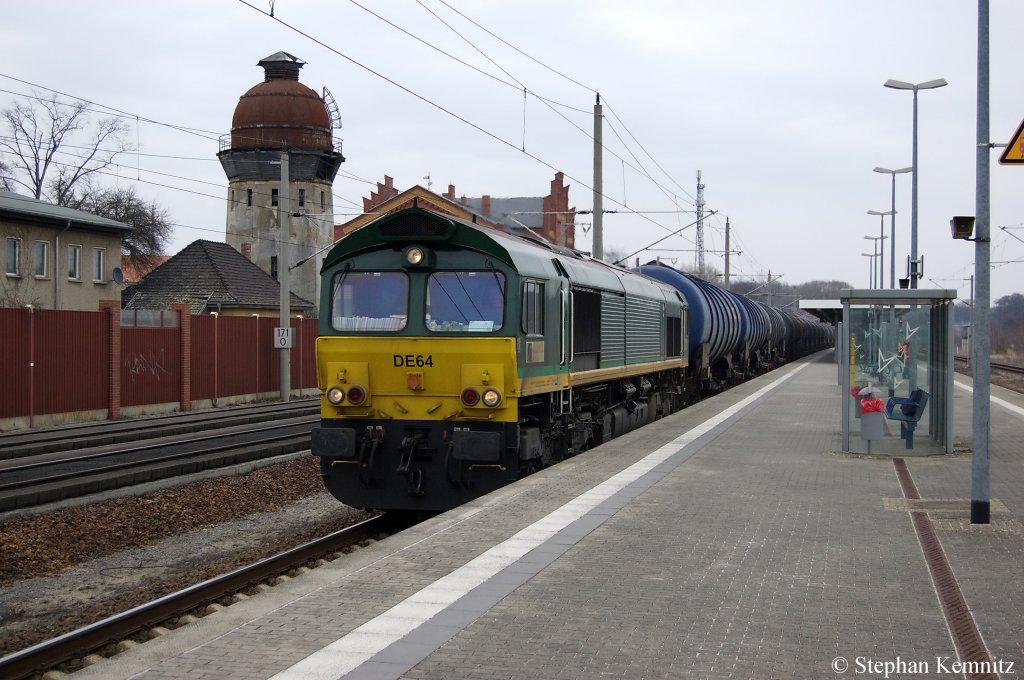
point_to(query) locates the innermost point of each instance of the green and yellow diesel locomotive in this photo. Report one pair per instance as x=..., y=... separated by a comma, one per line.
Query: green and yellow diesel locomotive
x=453, y=359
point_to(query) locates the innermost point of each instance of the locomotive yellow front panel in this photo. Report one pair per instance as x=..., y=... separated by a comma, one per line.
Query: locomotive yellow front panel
x=432, y=379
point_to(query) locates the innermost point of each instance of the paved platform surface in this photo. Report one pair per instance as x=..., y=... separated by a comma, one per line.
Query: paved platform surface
x=730, y=540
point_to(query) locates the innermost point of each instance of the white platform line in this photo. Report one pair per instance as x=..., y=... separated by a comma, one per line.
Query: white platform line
x=352, y=650
x=1013, y=408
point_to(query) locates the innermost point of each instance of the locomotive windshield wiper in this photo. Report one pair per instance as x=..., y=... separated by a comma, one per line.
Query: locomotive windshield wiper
x=501, y=287
x=340, y=281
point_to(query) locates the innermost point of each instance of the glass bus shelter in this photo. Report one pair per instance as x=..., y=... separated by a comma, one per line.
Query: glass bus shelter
x=896, y=371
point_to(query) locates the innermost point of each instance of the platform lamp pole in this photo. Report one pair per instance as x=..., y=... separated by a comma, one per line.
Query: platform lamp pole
x=877, y=246
x=871, y=269
x=915, y=272
x=881, y=251
x=892, y=223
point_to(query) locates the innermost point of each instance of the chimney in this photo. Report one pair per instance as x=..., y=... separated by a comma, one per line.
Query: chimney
x=485, y=205
x=247, y=251
x=450, y=194
x=281, y=66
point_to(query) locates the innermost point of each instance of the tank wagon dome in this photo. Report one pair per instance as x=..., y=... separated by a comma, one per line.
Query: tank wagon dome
x=281, y=111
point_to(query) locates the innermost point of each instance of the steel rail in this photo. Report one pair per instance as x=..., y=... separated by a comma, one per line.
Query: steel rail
x=21, y=444
x=147, y=447
x=1009, y=368
x=49, y=654
x=81, y=474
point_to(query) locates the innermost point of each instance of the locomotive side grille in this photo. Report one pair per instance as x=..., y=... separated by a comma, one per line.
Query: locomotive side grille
x=613, y=330
x=645, y=339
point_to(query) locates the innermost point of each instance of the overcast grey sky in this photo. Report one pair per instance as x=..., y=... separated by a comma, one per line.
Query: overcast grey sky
x=779, y=103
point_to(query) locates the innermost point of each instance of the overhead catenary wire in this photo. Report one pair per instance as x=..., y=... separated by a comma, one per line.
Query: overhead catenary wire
x=435, y=105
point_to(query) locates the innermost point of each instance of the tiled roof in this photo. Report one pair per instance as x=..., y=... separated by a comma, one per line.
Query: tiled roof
x=208, y=275
x=515, y=212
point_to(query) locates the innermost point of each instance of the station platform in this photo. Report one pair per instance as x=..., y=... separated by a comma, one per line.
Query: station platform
x=730, y=540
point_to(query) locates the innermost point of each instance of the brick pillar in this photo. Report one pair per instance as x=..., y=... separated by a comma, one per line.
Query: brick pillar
x=113, y=310
x=185, y=330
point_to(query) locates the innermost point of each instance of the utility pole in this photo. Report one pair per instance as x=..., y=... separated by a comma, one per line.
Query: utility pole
x=699, y=204
x=982, y=343
x=727, y=253
x=598, y=181
x=284, y=258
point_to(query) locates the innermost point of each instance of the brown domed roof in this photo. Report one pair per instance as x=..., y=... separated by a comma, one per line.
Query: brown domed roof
x=281, y=110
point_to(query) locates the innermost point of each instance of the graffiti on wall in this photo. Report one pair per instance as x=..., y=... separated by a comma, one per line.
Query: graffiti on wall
x=146, y=365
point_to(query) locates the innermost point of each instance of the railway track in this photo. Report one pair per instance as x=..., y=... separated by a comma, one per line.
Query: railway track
x=139, y=620
x=24, y=443
x=28, y=481
x=1008, y=368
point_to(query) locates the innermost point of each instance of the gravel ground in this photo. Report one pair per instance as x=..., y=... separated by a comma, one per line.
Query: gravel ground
x=68, y=568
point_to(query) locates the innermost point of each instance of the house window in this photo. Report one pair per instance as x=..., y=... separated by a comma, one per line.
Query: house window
x=13, y=264
x=98, y=255
x=248, y=197
x=75, y=263
x=302, y=198
x=40, y=255
x=273, y=197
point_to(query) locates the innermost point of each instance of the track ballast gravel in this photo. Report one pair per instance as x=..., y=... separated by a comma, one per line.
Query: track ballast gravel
x=65, y=569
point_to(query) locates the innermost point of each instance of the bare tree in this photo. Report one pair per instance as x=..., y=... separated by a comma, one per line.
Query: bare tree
x=41, y=144
x=151, y=224
x=5, y=173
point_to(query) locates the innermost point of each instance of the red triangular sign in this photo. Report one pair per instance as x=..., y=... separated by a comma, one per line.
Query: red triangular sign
x=1013, y=154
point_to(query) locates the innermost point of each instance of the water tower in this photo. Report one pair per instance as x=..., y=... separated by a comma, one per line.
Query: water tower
x=282, y=114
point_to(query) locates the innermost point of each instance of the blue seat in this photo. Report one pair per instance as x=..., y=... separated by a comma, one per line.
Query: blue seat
x=907, y=410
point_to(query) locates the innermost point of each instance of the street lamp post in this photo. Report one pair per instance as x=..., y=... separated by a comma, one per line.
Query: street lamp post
x=928, y=85
x=876, y=247
x=881, y=252
x=892, y=223
x=871, y=268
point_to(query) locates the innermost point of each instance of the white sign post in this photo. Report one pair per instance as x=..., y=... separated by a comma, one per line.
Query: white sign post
x=282, y=338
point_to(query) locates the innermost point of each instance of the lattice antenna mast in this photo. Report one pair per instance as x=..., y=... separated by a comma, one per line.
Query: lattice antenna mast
x=699, y=204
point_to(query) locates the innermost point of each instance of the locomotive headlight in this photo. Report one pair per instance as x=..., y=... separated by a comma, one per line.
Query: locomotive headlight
x=491, y=397
x=335, y=395
x=415, y=256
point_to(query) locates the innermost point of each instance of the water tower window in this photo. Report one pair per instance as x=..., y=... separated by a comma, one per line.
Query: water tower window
x=248, y=197
x=302, y=198
x=273, y=197
x=323, y=201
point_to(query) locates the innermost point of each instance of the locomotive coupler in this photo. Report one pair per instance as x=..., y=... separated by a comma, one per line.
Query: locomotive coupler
x=414, y=475
x=367, y=456
x=406, y=449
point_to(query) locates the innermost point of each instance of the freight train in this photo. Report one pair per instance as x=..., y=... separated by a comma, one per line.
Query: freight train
x=453, y=359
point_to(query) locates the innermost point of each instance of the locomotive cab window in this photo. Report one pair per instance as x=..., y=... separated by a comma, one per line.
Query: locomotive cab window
x=533, y=308
x=369, y=301
x=465, y=302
